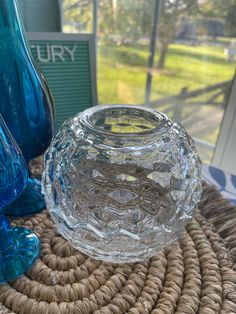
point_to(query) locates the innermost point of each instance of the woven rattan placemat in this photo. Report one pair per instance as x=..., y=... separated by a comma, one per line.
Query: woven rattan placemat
x=195, y=275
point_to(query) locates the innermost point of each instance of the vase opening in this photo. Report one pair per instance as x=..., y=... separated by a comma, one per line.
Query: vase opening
x=125, y=120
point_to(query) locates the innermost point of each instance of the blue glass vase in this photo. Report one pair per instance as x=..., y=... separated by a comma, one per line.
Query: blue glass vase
x=19, y=247
x=26, y=103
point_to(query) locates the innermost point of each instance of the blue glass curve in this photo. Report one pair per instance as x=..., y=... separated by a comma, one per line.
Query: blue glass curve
x=19, y=247
x=26, y=103
x=13, y=169
x=31, y=201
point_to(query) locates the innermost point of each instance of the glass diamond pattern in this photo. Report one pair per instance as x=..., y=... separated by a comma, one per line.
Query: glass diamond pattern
x=122, y=196
x=131, y=181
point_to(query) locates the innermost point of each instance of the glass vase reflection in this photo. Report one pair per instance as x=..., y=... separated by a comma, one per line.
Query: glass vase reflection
x=19, y=247
x=26, y=103
x=121, y=182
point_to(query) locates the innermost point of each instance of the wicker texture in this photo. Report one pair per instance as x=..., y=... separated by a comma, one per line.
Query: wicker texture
x=195, y=275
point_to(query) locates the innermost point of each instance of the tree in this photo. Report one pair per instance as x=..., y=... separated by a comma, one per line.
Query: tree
x=224, y=10
x=77, y=15
x=126, y=20
x=172, y=12
x=230, y=20
x=212, y=8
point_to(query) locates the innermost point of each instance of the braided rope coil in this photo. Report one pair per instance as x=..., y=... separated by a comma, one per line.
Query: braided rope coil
x=195, y=275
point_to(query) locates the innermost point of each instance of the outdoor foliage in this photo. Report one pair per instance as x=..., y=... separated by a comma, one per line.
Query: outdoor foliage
x=124, y=22
x=192, y=42
x=172, y=14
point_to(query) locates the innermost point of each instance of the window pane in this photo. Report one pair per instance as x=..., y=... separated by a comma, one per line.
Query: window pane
x=195, y=66
x=194, y=60
x=77, y=16
x=124, y=31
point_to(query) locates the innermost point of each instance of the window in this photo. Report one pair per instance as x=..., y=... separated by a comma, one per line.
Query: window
x=193, y=64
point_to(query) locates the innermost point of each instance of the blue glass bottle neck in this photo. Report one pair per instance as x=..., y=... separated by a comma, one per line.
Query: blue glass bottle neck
x=24, y=94
x=8, y=15
x=10, y=20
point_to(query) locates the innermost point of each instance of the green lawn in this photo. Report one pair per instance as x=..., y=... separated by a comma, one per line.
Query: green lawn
x=122, y=77
x=122, y=71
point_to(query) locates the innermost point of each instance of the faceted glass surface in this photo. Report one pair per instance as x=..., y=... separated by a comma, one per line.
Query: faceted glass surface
x=121, y=182
x=26, y=103
x=19, y=247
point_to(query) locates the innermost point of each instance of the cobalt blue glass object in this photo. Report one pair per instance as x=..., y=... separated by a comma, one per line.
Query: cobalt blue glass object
x=19, y=247
x=26, y=103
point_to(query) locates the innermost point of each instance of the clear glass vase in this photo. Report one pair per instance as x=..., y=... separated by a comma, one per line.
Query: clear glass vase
x=121, y=182
x=26, y=103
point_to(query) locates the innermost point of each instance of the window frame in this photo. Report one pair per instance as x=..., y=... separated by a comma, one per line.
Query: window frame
x=225, y=151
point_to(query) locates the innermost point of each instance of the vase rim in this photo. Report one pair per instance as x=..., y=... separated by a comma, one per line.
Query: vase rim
x=137, y=120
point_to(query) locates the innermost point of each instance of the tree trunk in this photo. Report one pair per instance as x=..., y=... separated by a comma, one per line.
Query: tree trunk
x=163, y=54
